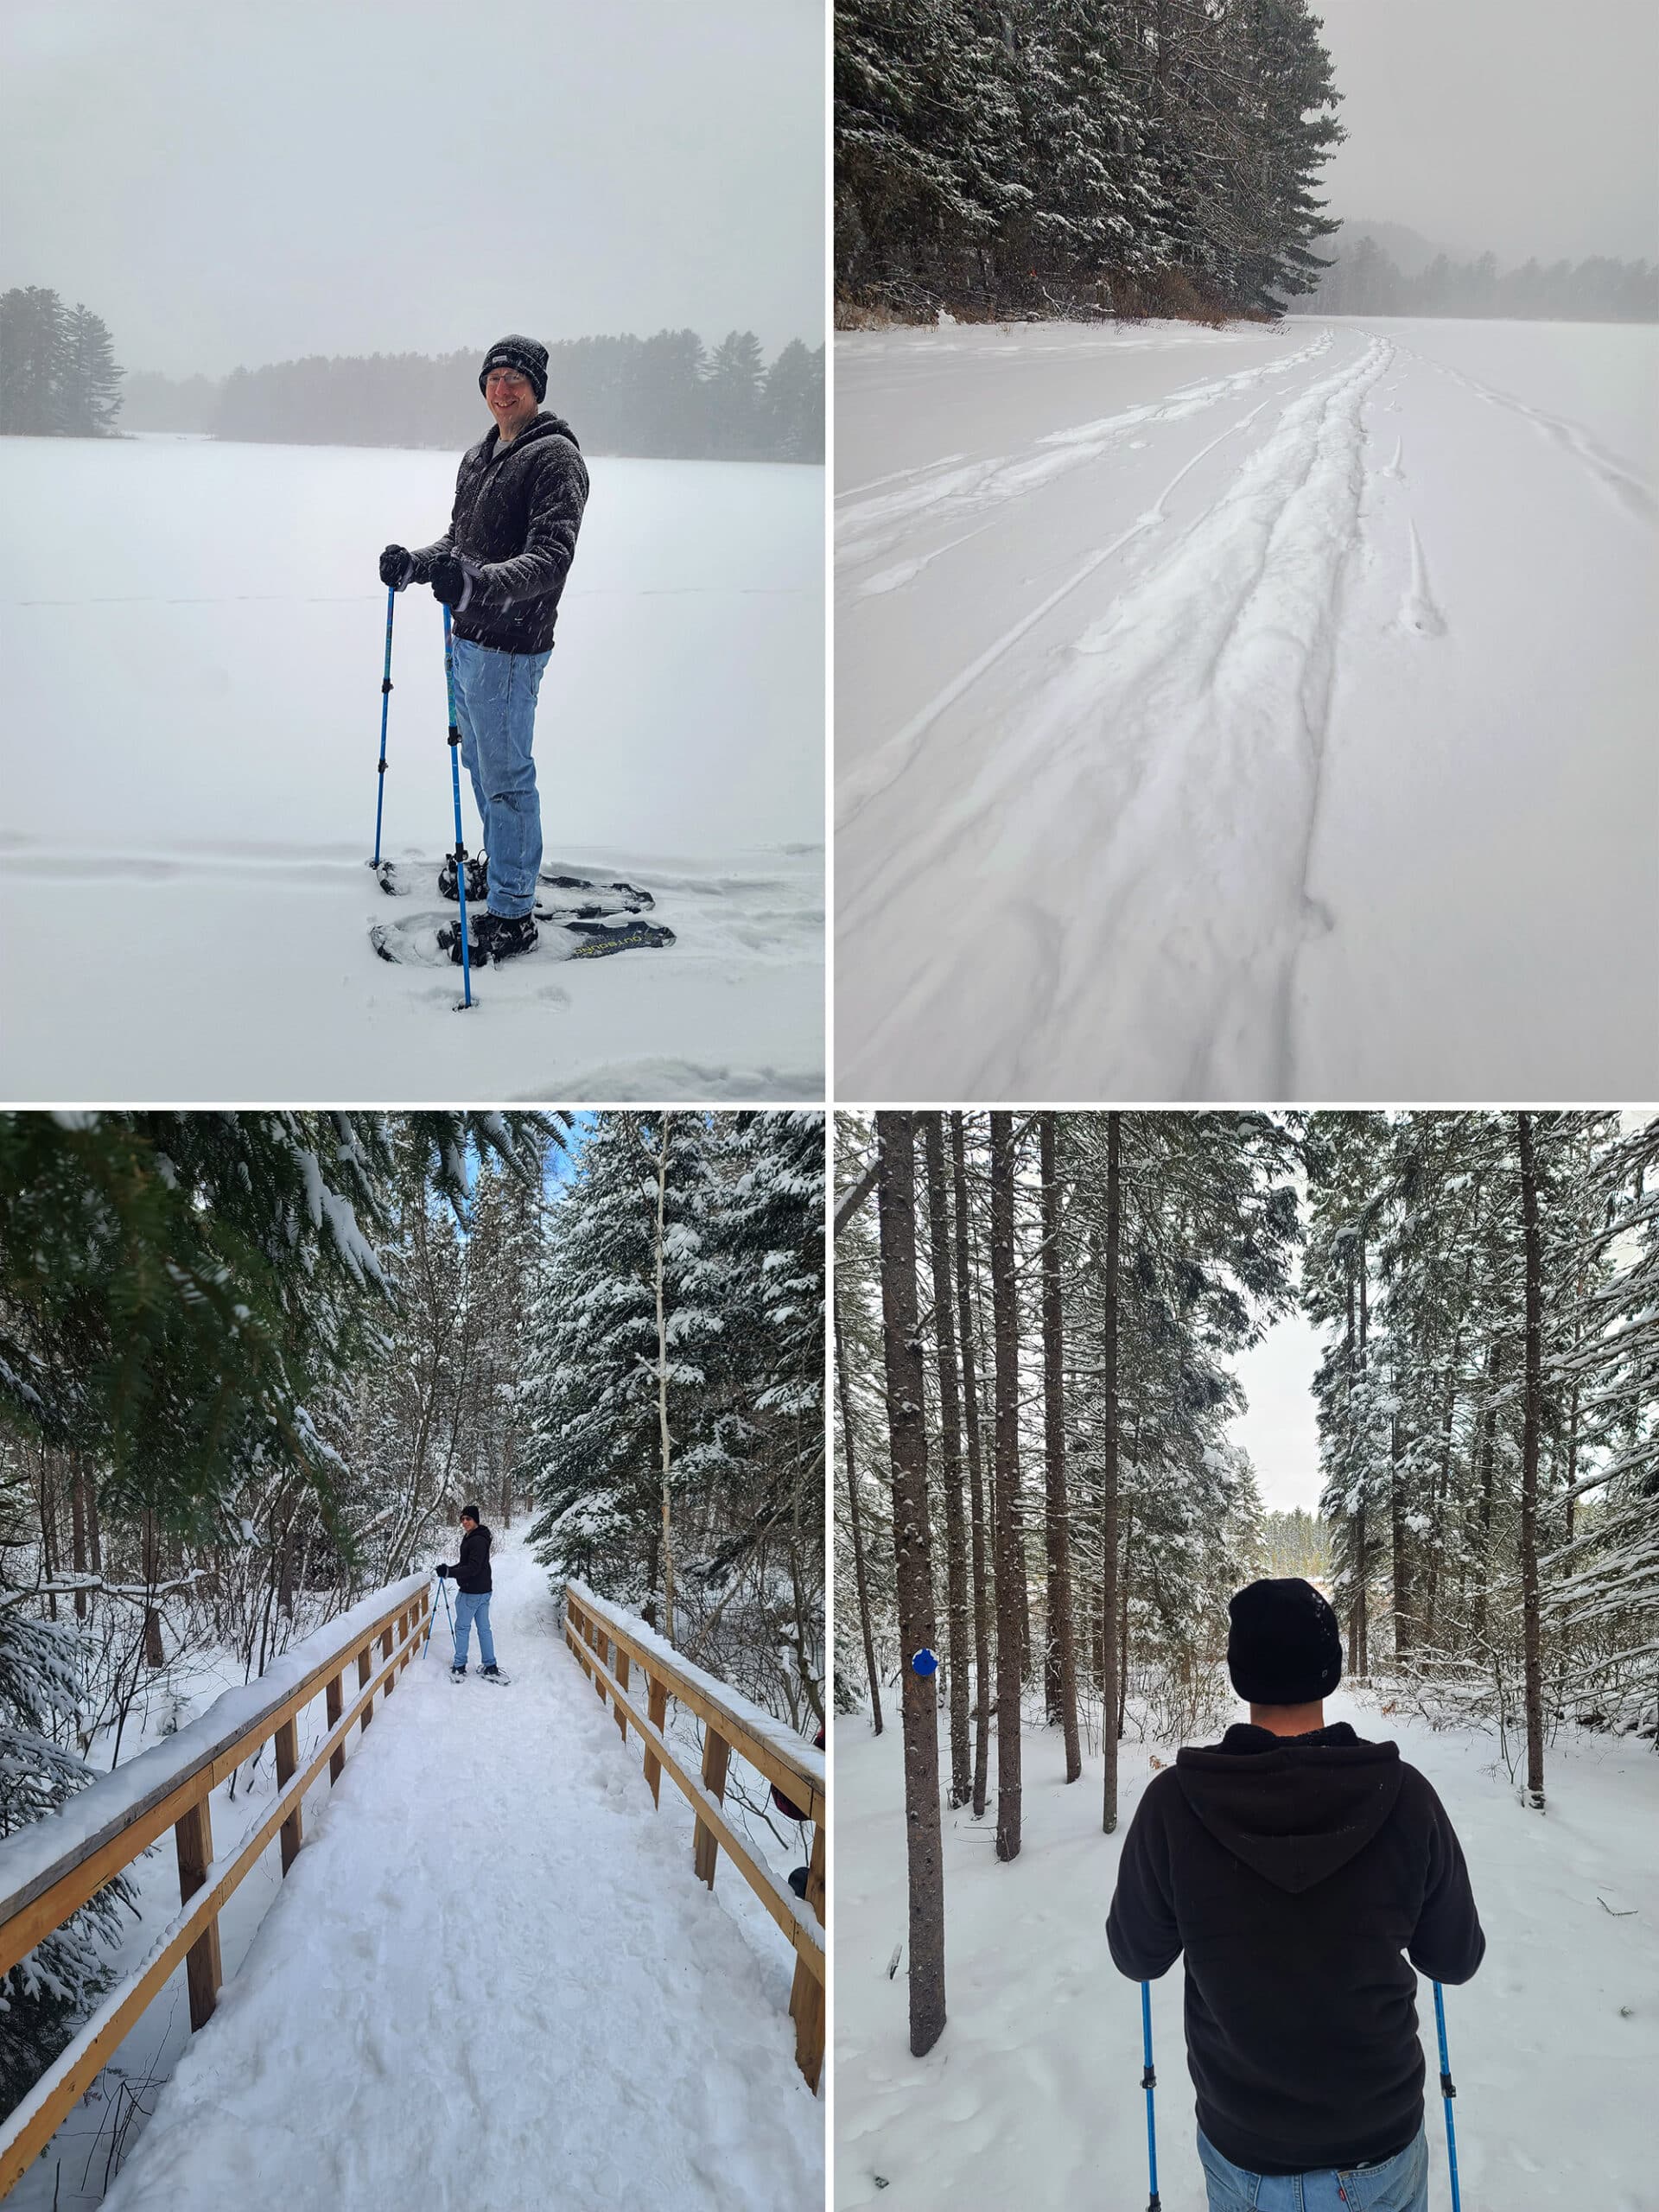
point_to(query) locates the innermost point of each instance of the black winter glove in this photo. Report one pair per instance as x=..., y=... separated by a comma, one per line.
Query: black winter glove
x=396, y=566
x=440, y=1571
x=450, y=581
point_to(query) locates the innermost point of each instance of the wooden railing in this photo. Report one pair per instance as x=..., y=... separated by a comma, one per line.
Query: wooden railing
x=610, y=1645
x=168, y=1786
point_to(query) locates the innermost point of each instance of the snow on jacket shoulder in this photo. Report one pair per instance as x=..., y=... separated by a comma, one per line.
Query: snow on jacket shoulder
x=1292, y=1872
x=517, y=512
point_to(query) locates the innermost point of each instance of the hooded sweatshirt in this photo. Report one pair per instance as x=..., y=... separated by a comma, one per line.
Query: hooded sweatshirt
x=518, y=510
x=1293, y=1871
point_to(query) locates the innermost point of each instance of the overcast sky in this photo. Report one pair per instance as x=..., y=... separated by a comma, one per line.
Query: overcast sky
x=1523, y=125
x=1280, y=1432
x=237, y=183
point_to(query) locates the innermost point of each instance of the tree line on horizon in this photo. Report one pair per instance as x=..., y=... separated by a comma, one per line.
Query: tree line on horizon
x=1126, y=157
x=1598, y=289
x=666, y=396
x=1041, y=1513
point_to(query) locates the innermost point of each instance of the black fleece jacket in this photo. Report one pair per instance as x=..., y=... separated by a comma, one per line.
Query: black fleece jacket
x=472, y=1571
x=514, y=526
x=1293, y=1871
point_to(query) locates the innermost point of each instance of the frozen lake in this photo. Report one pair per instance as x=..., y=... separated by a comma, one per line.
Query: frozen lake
x=1256, y=713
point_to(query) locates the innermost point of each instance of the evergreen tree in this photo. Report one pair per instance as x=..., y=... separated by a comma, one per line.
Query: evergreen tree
x=594, y=1448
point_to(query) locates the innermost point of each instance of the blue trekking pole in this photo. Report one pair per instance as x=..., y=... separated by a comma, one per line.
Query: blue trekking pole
x=1447, y=2092
x=432, y=1617
x=385, y=698
x=1149, y=2082
x=454, y=778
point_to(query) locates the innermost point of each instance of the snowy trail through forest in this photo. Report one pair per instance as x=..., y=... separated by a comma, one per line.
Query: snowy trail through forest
x=1033, y=2093
x=1276, y=732
x=491, y=1978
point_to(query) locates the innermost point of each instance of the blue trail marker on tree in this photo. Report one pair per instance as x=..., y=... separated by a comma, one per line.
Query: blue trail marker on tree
x=925, y=1662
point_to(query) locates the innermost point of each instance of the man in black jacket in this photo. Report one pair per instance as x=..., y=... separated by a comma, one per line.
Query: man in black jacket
x=473, y=1586
x=501, y=566
x=1292, y=1864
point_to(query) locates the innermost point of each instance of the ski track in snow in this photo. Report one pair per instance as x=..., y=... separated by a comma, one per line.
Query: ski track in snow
x=1631, y=491
x=1190, y=720
x=1108, y=850
x=492, y=1977
x=868, y=529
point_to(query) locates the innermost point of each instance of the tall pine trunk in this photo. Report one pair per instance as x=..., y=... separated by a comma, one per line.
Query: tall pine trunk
x=1531, y=1423
x=912, y=1562
x=1110, y=1657
x=1010, y=1571
x=662, y=1388
x=944, y=1340
x=1060, y=1667
x=975, y=1478
x=860, y=1574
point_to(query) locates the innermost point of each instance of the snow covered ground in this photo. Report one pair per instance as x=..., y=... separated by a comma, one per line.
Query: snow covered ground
x=194, y=638
x=1033, y=2093
x=1256, y=713
x=491, y=1978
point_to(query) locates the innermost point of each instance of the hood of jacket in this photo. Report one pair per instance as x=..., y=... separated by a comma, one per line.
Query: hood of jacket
x=1294, y=1808
x=545, y=426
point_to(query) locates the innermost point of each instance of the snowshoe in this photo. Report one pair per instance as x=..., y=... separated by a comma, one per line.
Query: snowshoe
x=478, y=879
x=493, y=1674
x=457, y=1674
x=434, y=940
x=561, y=898
x=593, y=940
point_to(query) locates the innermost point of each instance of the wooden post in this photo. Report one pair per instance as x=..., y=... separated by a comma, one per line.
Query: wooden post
x=716, y=1754
x=288, y=1760
x=193, y=1836
x=806, y=1998
x=657, y=1714
x=363, y=1683
x=335, y=1696
x=600, y=1653
x=623, y=1664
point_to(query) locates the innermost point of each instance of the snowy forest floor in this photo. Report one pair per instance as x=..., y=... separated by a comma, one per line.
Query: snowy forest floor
x=194, y=638
x=490, y=1977
x=1033, y=2093
x=1243, y=713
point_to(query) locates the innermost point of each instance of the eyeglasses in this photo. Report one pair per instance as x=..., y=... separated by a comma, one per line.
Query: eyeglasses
x=505, y=380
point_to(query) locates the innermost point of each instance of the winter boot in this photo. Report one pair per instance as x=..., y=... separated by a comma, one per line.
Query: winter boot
x=478, y=878
x=457, y=1674
x=507, y=937
x=492, y=1674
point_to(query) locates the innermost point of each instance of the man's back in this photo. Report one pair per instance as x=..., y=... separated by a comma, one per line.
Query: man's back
x=1293, y=1871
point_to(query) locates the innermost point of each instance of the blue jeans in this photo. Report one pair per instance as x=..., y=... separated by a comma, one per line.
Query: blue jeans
x=472, y=1606
x=495, y=712
x=1399, y=2184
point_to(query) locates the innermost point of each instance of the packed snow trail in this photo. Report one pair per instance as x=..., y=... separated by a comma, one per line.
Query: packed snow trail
x=491, y=1978
x=1244, y=715
x=1033, y=2095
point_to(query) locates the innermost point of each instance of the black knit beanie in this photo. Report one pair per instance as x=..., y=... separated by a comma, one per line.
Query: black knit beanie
x=523, y=354
x=1285, y=1647
x=470, y=1513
